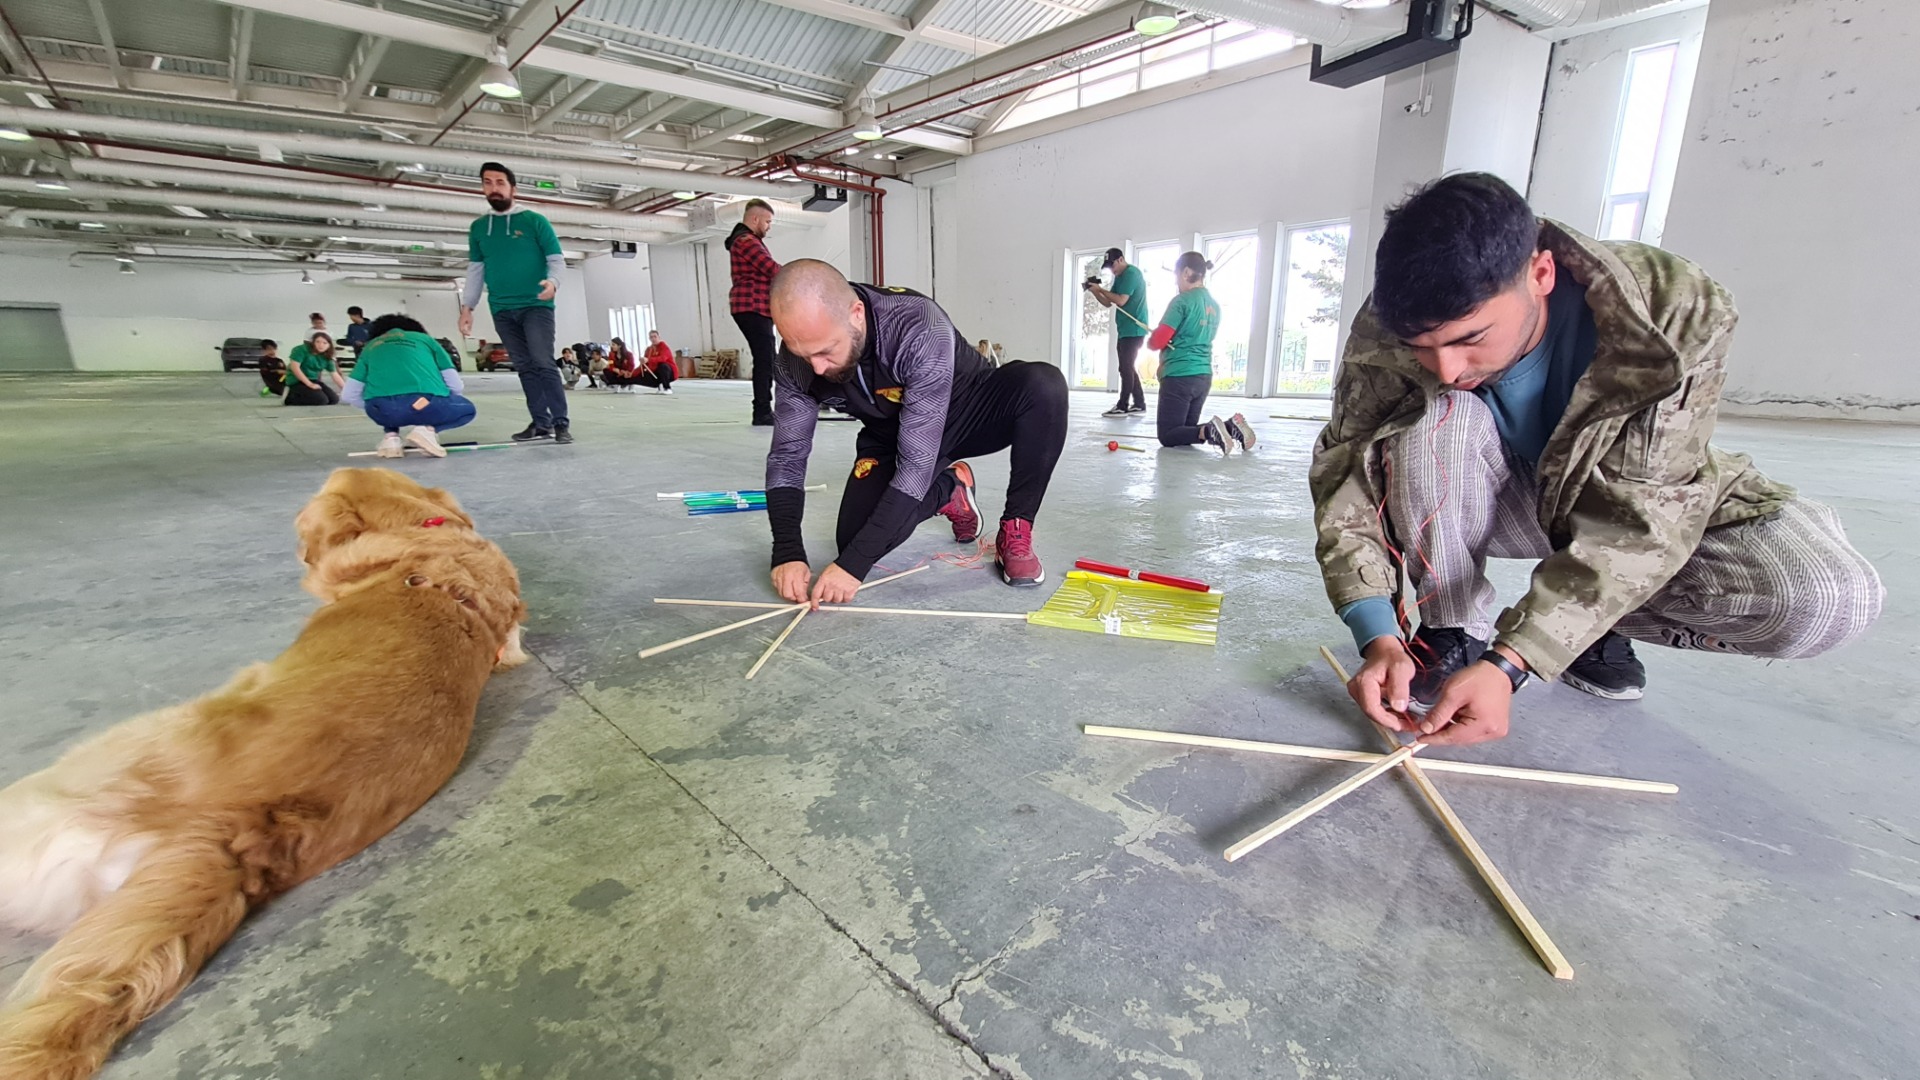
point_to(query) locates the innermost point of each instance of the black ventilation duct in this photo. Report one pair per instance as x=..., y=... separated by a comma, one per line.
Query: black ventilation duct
x=1434, y=29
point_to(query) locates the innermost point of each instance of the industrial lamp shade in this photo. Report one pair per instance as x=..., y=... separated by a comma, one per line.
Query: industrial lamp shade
x=498, y=80
x=14, y=134
x=866, y=127
x=1155, y=19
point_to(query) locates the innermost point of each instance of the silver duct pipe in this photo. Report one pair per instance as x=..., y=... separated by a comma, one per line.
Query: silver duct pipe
x=358, y=193
x=85, y=191
x=1322, y=24
x=385, y=152
x=451, y=241
x=1560, y=14
x=270, y=265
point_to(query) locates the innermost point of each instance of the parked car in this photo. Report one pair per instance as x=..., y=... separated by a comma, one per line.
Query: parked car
x=239, y=353
x=494, y=358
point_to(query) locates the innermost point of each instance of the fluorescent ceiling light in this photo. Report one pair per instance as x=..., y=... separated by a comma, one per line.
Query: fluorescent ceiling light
x=685, y=194
x=14, y=134
x=51, y=183
x=498, y=80
x=123, y=259
x=91, y=225
x=1155, y=19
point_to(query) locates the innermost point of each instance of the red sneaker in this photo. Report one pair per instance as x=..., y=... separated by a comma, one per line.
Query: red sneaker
x=960, y=508
x=1014, y=547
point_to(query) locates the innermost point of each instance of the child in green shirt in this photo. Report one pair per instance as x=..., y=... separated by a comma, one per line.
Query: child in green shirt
x=404, y=377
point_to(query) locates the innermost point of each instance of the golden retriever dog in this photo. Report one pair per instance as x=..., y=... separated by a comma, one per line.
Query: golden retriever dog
x=147, y=844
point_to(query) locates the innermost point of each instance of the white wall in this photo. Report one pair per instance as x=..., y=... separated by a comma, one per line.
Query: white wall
x=700, y=294
x=173, y=318
x=1272, y=149
x=1803, y=145
x=1581, y=114
x=1500, y=71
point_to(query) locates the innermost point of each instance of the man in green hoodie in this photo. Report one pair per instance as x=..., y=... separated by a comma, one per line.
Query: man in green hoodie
x=515, y=256
x=1514, y=389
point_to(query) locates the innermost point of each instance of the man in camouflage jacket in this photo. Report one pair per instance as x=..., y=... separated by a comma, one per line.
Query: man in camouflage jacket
x=1438, y=455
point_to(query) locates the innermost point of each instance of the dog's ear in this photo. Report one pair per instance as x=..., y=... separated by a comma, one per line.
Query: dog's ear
x=326, y=522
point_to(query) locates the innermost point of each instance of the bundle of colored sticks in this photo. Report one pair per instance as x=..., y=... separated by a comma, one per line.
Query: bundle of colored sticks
x=701, y=503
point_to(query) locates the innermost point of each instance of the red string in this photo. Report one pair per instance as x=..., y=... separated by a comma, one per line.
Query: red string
x=1401, y=614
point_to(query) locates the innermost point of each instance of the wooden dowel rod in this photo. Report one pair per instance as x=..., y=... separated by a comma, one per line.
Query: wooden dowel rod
x=1021, y=615
x=1471, y=768
x=722, y=603
x=1321, y=801
x=703, y=635
x=716, y=631
x=1516, y=908
x=765, y=656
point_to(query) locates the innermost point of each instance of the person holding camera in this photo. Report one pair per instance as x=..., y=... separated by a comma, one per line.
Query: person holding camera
x=1128, y=299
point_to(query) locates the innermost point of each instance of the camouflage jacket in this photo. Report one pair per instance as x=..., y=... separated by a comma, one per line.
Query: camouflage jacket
x=1627, y=483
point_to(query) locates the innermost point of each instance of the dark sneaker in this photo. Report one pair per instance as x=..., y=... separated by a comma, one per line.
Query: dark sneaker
x=1608, y=669
x=1014, y=553
x=562, y=433
x=1439, y=652
x=1117, y=410
x=1215, y=434
x=762, y=419
x=1241, y=431
x=960, y=508
x=533, y=431
x=1138, y=409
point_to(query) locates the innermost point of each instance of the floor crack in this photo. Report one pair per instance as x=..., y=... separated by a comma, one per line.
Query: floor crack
x=933, y=1012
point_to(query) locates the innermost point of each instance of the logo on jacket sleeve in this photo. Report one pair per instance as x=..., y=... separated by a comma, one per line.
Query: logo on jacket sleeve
x=864, y=466
x=892, y=393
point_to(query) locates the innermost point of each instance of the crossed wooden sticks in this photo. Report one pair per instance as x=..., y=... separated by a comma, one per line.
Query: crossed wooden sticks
x=1402, y=756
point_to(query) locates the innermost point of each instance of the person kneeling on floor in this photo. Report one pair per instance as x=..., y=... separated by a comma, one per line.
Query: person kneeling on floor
x=1515, y=389
x=311, y=370
x=925, y=399
x=403, y=378
x=657, y=367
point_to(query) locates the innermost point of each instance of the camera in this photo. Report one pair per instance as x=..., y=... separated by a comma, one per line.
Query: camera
x=1092, y=280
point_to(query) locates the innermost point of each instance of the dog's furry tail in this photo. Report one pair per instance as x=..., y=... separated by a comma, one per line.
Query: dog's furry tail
x=121, y=962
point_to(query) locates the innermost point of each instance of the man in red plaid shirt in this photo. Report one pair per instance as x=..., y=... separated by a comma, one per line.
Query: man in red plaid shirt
x=753, y=271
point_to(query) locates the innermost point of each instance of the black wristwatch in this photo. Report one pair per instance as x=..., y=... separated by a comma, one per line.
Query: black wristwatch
x=1507, y=667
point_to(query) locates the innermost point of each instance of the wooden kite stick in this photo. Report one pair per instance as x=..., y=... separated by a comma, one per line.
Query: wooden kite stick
x=1472, y=768
x=723, y=603
x=1323, y=800
x=690, y=639
x=921, y=611
x=705, y=634
x=765, y=656
x=1517, y=910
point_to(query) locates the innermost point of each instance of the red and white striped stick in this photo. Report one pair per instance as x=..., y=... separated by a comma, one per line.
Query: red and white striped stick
x=1142, y=575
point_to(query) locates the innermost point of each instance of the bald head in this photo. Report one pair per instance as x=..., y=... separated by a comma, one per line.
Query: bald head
x=820, y=317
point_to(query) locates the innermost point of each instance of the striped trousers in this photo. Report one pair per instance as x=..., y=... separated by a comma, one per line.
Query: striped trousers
x=1782, y=586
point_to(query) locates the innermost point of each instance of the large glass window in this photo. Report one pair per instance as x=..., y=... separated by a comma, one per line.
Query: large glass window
x=1091, y=339
x=631, y=324
x=1156, y=265
x=1636, y=144
x=1316, y=276
x=1191, y=54
x=1234, y=260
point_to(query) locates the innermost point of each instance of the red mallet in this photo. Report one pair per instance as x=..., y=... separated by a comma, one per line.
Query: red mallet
x=1117, y=445
x=1142, y=575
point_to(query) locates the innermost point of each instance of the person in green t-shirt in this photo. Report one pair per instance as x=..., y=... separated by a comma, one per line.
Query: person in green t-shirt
x=1128, y=299
x=309, y=370
x=405, y=377
x=1184, y=341
x=515, y=257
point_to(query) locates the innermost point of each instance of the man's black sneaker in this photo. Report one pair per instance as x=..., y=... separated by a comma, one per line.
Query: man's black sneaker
x=562, y=433
x=1117, y=410
x=533, y=431
x=1439, y=652
x=763, y=420
x=1137, y=409
x=1608, y=669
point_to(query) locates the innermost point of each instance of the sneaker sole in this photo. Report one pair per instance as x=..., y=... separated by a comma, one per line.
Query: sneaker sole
x=1020, y=583
x=966, y=492
x=426, y=447
x=1629, y=693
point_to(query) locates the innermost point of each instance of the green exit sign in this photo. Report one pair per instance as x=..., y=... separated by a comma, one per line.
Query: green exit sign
x=547, y=184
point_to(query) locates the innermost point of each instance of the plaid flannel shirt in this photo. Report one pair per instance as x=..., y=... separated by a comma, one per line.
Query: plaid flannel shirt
x=753, y=271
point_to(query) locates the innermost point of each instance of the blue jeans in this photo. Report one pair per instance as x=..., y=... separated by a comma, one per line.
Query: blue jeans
x=528, y=335
x=441, y=413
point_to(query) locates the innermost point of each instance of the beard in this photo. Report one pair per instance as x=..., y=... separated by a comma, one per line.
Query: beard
x=502, y=203
x=844, y=373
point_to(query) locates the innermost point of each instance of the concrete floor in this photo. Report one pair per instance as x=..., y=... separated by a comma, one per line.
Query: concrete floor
x=895, y=855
